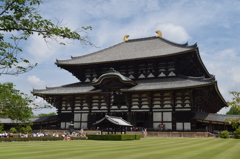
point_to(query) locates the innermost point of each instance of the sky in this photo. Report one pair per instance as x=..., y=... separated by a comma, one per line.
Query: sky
x=213, y=25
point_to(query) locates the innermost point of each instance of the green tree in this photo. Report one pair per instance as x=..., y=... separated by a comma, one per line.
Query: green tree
x=13, y=130
x=233, y=111
x=28, y=129
x=46, y=114
x=235, y=104
x=15, y=104
x=22, y=16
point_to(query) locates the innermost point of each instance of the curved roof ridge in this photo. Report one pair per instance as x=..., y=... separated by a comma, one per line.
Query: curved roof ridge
x=165, y=40
x=111, y=119
x=200, y=78
x=89, y=54
x=54, y=87
x=220, y=95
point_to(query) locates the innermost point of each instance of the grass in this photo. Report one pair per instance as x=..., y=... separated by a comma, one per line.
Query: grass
x=147, y=148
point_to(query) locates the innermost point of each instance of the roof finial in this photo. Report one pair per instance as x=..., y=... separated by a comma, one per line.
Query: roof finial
x=159, y=33
x=125, y=38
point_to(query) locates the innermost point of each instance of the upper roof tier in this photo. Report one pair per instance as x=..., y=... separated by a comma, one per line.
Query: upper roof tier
x=132, y=49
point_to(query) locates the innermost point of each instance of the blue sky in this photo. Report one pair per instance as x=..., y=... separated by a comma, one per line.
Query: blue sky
x=214, y=25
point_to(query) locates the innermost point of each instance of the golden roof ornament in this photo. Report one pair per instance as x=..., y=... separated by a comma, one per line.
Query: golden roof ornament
x=159, y=33
x=125, y=38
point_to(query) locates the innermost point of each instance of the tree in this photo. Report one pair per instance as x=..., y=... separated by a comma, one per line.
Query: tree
x=13, y=130
x=233, y=111
x=235, y=104
x=21, y=16
x=46, y=114
x=14, y=104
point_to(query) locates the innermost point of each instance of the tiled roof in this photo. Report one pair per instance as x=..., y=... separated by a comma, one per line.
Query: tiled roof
x=113, y=120
x=132, y=49
x=144, y=84
x=170, y=83
x=34, y=120
x=74, y=88
x=214, y=117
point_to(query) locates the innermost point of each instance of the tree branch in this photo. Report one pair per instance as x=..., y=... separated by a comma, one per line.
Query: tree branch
x=7, y=8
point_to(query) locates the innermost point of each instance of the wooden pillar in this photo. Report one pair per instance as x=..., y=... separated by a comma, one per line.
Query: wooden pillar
x=225, y=127
x=150, y=114
x=193, y=121
x=107, y=98
x=173, y=104
x=59, y=111
x=72, y=108
x=129, y=105
x=88, y=99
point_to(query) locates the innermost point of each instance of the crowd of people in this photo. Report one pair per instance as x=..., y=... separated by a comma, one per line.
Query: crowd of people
x=41, y=134
x=4, y=134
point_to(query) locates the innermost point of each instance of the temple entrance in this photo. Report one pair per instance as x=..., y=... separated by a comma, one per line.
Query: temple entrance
x=139, y=124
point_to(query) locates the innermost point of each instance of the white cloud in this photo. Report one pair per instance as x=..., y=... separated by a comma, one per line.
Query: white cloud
x=228, y=53
x=35, y=81
x=173, y=32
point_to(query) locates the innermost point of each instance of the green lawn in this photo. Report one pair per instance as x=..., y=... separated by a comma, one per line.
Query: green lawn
x=175, y=148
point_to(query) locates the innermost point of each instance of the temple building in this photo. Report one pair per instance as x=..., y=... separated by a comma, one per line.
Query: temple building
x=149, y=82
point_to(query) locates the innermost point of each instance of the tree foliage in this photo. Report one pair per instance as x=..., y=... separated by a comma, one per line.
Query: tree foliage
x=14, y=104
x=237, y=133
x=19, y=19
x=224, y=134
x=13, y=130
x=235, y=103
x=46, y=114
x=233, y=111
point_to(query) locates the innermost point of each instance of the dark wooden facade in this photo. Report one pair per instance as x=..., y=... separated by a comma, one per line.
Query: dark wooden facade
x=147, y=92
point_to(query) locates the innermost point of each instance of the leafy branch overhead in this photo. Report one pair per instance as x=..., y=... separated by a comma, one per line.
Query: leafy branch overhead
x=21, y=16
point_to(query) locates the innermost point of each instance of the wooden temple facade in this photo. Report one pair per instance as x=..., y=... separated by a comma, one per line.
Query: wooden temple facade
x=147, y=81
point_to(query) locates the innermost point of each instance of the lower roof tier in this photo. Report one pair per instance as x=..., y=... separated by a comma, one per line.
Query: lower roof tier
x=180, y=82
x=213, y=118
x=204, y=92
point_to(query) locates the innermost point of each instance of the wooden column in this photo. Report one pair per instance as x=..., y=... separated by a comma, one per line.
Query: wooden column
x=72, y=108
x=150, y=114
x=193, y=121
x=173, y=104
x=107, y=98
x=129, y=105
x=59, y=111
x=88, y=99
